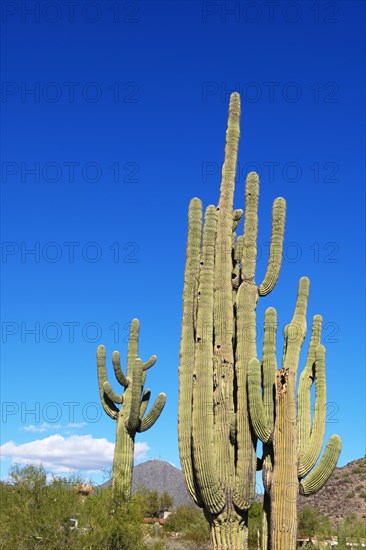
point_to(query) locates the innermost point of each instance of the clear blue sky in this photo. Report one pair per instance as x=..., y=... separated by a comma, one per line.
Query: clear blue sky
x=114, y=116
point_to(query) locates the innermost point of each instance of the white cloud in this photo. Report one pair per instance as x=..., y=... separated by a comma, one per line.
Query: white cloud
x=66, y=454
x=44, y=427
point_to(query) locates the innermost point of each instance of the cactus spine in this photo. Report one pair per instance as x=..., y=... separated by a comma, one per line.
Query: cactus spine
x=130, y=417
x=216, y=441
x=292, y=440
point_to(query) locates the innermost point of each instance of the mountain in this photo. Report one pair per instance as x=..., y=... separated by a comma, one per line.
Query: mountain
x=343, y=495
x=157, y=475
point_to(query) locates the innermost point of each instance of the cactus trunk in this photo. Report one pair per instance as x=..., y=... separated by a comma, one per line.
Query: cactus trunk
x=284, y=487
x=123, y=462
x=230, y=534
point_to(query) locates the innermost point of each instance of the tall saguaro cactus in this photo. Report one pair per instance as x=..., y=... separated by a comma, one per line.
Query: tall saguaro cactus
x=133, y=403
x=217, y=443
x=292, y=439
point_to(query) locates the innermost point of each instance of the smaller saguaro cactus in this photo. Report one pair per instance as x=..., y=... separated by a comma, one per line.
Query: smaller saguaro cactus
x=292, y=438
x=130, y=417
x=157, y=530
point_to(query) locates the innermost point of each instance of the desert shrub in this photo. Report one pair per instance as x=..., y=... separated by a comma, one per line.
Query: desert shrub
x=198, y=535
x=112, y=524
x=346, y=479
x=354, y=528
x=358, y=470
x=312, y=523
x=153, y=503
x=36, y=513
x=190, y=522
x=184, y=517
x=255, y=524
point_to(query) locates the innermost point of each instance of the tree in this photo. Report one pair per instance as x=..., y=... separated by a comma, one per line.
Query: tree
x=152, y=502
x=255, y=524
x=351, y=529
x=186, y=518
x=166, y=501
x=312, y=523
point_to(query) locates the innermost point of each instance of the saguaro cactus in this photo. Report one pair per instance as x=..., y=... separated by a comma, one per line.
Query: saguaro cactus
x=292, y=439
x=133, y=403
x=216, y=441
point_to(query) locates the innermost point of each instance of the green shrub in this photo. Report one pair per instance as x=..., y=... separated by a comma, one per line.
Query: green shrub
x=36, y=513
x=312, y=523
x=184, y=517
x=191, y=523
x=255, y=524
x=346, y=478
x=351, y=530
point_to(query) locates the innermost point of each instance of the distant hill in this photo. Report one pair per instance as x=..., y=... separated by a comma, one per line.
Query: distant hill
x=157, y=475
x=343, y=495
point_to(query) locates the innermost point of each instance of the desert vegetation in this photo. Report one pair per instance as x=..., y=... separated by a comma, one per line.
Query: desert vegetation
x=42, y=511
x=38, y=512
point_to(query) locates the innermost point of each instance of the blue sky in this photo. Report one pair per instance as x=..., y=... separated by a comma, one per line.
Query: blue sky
x=114, y=116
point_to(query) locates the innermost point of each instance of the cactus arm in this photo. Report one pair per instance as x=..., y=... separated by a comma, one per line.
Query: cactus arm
x=146, y=366
x=246, y=301
x=144, y=402
x=303, y=395
x=269, y=363
x=296, y=330
x=245, y=351
x=116, y=360
x=238, y=249
x=202, y=417
x=108, y=405
x=308, y=460
x=113, y=396
x=187, y=345
x=238, y=252
x=258, y=414
x=250, y=227
x=237, y=214
x=136, y=386
x=133, y=347
x=149, y=363
x=153, y=414
x=321, y=473
x=276, y=247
